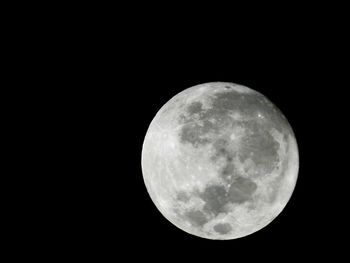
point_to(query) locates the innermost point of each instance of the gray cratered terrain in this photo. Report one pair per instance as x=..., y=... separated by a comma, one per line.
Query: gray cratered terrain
x=220, y=161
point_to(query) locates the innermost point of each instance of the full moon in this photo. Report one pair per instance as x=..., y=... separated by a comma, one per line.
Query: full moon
x=220, y=161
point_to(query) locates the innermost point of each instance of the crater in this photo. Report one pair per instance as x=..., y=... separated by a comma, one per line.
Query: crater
x=223, y=228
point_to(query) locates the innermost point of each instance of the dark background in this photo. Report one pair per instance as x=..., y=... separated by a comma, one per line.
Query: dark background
x=115, y=69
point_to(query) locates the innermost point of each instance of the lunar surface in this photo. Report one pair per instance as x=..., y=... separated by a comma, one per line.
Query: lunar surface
x=220, y=161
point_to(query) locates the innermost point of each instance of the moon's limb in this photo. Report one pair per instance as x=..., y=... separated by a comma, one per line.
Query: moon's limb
x=230, y=186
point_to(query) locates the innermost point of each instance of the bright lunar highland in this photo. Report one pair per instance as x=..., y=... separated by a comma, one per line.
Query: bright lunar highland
x=220, y=161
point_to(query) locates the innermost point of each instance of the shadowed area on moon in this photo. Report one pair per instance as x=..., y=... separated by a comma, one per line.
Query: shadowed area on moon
x=196, y=217
x=217, y=196
x=222, y=228
x=258, y=145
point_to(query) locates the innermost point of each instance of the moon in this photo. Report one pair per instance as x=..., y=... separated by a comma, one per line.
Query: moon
x=220, y=161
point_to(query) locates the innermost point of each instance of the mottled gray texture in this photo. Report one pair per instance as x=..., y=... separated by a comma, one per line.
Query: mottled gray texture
x=222, y=228
x=195, y=107
x=259, y=145
x=241, y=190
x=221, y=147
x=222, y=104
x=215, y=197
x=191, y=133
x=234, y=101
x=196, y=217
x=228, y=171
x=182, y=196
x=249, y=105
